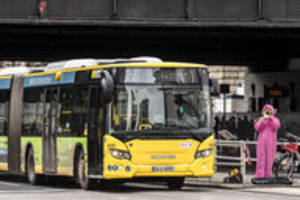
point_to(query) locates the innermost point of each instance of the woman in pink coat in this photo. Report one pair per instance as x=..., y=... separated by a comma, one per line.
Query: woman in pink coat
x=267, y=127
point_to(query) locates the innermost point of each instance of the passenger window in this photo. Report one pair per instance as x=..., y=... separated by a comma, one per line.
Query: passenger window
x=32, y=123
x=65, y=111
x=4, y=107
x=80, y=110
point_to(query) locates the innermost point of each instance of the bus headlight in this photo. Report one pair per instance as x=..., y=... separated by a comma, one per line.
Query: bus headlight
x=120, y=154
x=203, y=154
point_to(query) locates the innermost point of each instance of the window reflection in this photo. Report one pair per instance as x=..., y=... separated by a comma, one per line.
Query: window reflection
x=4, y=103
x=156, y=107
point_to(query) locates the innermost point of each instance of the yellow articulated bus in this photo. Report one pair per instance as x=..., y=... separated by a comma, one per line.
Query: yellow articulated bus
x=105, y=120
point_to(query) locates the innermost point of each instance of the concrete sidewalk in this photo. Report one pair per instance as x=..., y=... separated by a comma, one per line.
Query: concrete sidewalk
x=219, y=177
x=217, y=181
x=279, y=190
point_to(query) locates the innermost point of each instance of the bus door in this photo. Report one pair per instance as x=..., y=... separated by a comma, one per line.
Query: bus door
x=49, y=137
x=96, y=131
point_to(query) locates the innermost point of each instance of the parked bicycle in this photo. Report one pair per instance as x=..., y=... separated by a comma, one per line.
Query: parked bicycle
x=288, y=163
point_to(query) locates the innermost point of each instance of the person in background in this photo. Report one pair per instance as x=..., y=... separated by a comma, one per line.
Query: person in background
x=251, y=135
x=246, y=130
x=224, y=124
x=243, y=128
x=217, y=127
x=232, y=125
x=240, y=128
x=267, y=127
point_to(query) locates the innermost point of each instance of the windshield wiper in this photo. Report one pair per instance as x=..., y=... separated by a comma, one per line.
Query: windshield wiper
x=175, y=126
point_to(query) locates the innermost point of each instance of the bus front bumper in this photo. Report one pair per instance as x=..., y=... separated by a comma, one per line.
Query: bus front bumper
x=124, y=169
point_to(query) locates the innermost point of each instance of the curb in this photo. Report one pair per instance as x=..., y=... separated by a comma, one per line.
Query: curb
x=285, y=190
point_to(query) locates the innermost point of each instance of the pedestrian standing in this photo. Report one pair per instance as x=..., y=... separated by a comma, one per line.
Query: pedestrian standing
x=267, y=127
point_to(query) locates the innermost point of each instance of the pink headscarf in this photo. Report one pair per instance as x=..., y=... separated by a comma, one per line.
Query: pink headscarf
x=268, y=107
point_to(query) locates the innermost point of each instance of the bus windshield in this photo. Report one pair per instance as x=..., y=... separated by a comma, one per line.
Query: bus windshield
x=176, y=102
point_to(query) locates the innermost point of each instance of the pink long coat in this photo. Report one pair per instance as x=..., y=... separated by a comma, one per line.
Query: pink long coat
x=266, y=145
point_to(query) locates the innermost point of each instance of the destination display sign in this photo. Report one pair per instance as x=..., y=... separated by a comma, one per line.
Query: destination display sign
x=5, y=84
x=49, y=79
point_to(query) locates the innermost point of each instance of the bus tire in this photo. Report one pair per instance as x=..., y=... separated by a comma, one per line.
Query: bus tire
x=175, y=183
x=32, y=177
x=83, y=181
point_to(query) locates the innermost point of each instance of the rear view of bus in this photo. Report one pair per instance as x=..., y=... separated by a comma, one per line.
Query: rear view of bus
x=159, y=123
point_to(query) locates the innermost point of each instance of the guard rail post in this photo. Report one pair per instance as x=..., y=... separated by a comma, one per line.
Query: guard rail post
x=243, y=160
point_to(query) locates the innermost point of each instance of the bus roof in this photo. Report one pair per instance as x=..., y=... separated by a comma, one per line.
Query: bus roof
x=68, y=75
x=162, y=64
x=122, y=65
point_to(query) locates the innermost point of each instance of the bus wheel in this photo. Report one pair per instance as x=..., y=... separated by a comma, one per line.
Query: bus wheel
x=84, y=182
x=175, y=183
x=32, y=177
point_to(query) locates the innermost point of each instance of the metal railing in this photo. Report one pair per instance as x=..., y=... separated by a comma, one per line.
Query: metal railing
x=236, y=161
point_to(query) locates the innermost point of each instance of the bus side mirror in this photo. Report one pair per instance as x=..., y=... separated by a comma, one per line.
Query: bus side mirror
x=214, y=87
x=107, y=86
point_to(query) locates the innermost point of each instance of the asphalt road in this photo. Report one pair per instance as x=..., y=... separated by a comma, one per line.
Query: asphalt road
x=18, y=188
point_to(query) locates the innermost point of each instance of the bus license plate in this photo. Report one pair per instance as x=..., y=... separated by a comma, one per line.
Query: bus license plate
x=163, y=169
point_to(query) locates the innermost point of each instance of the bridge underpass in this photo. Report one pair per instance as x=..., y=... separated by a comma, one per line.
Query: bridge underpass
x=262, y=49
x=263, y=34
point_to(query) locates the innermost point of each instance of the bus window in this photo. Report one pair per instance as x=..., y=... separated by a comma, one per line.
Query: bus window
x=124, y=115
x=33, y=111
x=39, y=128
x=65, y=111
x=4, y=102
x=80, y=109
